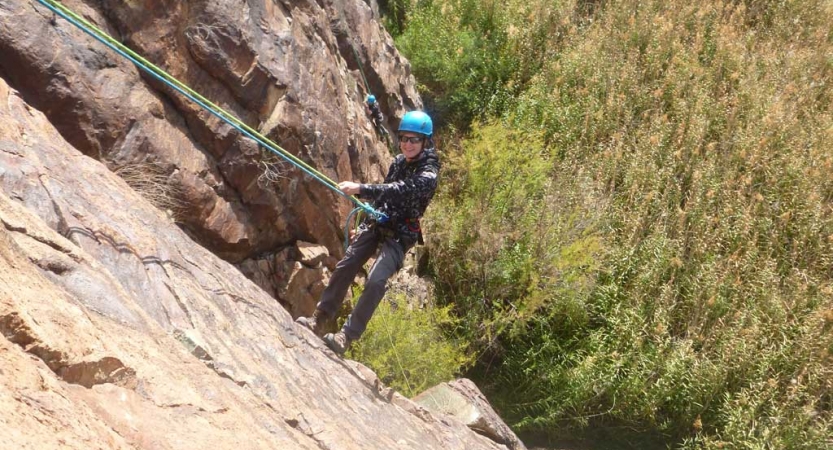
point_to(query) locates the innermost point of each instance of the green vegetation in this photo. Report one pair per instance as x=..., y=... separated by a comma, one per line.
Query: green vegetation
x=408, y=348
x=635, y=223
x=473, y=57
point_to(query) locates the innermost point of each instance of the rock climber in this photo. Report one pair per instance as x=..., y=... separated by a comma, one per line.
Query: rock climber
x=375, y=114
x=403, y=198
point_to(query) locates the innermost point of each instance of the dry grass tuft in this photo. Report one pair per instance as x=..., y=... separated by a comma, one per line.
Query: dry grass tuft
x=153, y=182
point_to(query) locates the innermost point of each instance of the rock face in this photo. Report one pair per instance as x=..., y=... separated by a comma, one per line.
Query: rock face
x=118, y=331
x=462, y=400
x=296, y=275
x=295, y=70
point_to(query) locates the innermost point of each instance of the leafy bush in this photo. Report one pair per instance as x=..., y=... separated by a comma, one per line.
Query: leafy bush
x=472, y=57
x=408, y=349
x=640, y=237
x=509, y=243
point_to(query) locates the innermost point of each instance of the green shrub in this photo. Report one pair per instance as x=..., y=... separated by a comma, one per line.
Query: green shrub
x=473, y=57
x=395, y=14
x=641, y=236
x=508, y=241
x=408, y=348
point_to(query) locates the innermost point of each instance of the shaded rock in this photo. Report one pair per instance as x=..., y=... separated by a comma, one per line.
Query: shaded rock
x=270, y=271
x=295, y=276
x=417, y=290
x=304, y=289
x=463, y=400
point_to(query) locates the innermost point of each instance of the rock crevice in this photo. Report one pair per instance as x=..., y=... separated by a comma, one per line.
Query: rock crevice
x=89, y=373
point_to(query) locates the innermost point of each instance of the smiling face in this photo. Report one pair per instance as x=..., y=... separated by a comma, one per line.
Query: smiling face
x=410, y=144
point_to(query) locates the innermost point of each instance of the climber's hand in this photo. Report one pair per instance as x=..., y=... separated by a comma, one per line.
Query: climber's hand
x=349, y=187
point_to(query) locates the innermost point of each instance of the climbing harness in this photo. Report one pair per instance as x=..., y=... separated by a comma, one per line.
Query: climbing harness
x=178, y=86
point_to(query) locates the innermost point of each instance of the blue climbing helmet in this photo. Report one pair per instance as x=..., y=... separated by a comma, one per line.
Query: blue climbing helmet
x=417, y=122
x=371, y=99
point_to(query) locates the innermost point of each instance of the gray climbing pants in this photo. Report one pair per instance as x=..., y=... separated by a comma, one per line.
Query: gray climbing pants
x=389, y=261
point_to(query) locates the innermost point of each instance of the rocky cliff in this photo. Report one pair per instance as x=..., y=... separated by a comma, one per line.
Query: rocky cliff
x=120, y=332
x=118, y=329
x=295, y=70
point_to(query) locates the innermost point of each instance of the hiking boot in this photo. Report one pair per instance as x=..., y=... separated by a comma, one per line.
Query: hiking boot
x=338, y=342
x=314, y=323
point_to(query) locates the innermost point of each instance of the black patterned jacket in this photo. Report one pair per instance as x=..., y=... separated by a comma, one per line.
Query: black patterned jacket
x=405, y=194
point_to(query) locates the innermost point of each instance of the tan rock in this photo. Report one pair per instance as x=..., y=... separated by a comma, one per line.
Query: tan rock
x=38, y=410
x=304, y=289
x=312, y=255
x=118, y=331
x=462, y=400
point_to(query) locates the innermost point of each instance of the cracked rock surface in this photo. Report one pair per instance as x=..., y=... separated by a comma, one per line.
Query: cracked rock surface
x=118, y=331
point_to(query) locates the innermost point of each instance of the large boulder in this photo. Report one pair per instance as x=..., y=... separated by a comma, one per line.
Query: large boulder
x=118, y=331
